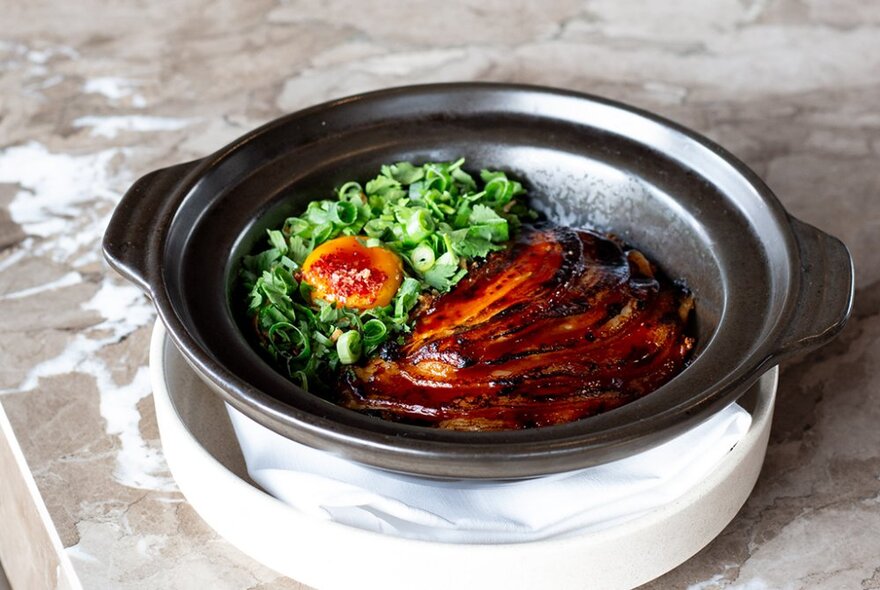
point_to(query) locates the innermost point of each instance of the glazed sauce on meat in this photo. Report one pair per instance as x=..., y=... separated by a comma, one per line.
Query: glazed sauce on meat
x=562, y=325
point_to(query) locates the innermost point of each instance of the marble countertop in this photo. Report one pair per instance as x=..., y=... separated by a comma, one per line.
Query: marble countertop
x=96, y=93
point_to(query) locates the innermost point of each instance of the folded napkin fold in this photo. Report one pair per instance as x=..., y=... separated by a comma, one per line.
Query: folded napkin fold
x=590, y=499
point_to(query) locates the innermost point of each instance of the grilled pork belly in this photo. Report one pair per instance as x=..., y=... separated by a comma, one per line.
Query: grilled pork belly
x=562, y=325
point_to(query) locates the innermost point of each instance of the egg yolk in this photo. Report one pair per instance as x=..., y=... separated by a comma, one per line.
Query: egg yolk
x=348, y=273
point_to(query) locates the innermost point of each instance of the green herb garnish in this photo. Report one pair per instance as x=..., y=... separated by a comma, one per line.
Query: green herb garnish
x=436, y=217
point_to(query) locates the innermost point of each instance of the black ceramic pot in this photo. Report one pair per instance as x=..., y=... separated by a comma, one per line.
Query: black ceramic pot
x=766, y=284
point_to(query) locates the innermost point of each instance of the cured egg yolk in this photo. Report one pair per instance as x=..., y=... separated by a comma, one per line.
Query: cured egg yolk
x=348, y=273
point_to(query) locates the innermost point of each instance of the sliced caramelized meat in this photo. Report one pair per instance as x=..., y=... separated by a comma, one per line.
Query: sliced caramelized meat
x=562, y=325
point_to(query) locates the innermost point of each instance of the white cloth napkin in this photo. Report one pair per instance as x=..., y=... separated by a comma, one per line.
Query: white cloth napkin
x=565, y=504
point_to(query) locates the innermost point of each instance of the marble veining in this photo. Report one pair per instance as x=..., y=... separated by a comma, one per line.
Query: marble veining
x=96, y=93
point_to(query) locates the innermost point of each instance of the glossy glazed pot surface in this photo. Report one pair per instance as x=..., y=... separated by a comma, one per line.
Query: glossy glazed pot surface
x=765, y=284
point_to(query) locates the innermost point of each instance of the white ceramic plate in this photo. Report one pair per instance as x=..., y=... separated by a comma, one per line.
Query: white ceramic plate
x=204, y=458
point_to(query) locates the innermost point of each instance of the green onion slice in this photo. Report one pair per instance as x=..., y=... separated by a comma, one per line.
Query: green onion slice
x=286, y=336
x=348, y=347
x=374, y=332
x=343, y=212
x=419, y=226
x=423, y=257
x=350, y=191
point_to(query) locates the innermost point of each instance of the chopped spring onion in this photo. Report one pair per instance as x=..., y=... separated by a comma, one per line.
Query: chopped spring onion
x=422, y=257
x=348, y=347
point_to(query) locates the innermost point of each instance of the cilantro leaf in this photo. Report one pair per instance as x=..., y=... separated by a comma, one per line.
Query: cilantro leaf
x=404, y=172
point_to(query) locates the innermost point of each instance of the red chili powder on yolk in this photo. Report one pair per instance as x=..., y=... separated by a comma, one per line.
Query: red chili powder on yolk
x=348, y=273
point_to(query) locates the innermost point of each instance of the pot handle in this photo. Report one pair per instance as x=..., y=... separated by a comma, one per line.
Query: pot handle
x=826, y=291
x=127, y=238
